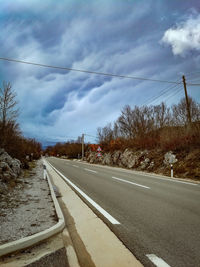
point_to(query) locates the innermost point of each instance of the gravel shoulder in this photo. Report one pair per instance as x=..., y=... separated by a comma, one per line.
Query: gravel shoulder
x=27, y=208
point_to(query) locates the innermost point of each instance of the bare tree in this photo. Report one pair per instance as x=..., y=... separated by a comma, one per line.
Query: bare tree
x=180, y=112
x=135, y=122
x=125, y=122
x=162, y=116
x=8, y=109
x=105, y=134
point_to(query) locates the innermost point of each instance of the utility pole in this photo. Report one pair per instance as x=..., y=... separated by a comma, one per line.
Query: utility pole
x=82, y=146
x=187, y=101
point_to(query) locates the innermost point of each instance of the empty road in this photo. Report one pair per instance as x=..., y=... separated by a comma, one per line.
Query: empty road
x=157, y=218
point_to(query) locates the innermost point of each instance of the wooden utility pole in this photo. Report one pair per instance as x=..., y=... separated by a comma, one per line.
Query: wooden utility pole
x=82, y=146
x=187, y=102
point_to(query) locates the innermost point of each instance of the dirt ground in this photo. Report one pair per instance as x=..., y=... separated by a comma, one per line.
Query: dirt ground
x=27, y=208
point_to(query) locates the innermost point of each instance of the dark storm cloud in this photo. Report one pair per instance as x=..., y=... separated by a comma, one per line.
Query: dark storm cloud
x=123, y=37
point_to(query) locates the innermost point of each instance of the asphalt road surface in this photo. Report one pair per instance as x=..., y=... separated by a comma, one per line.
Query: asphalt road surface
x=157, y=218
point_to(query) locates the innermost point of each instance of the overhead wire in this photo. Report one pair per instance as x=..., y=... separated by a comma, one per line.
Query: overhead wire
x=161, y=93
x=168, y=89
x=90, y=135
x=191, y=73
x=85, y=71
x=174, y=93
x=197, y=79
x=173, y=85
x=169, y=93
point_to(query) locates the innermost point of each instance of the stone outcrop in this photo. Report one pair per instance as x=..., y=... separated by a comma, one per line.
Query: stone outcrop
x=128, y=159
x=10, y=168
x=186, y=164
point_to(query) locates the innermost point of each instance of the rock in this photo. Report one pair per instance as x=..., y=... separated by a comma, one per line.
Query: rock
x=129, y=159
x=16, y=166
x=5, y=158
x=91, y=157
x=144, y=164
x=115, y=157
x=151, y=165
x=107, y=159
x=4, y=167
x=10, y=168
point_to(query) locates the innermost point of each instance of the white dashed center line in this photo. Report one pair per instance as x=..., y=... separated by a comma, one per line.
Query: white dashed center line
x=75, y=166
x=157, y=261
x=90, y=170
x=125, y=181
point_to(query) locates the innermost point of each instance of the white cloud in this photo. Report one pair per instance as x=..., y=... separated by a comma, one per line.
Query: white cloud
x=184, y=37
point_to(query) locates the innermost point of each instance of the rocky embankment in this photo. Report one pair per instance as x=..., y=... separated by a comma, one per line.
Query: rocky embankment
x=186, y=165
x=10, y=169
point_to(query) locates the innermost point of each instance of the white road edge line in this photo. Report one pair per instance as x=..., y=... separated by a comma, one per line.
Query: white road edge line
x=90, y=170
x=92, y=202
x=125, y=181
x=167, y=179
x=157, y=261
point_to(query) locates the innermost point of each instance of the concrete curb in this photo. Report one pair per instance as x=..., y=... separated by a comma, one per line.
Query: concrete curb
x=29, y=241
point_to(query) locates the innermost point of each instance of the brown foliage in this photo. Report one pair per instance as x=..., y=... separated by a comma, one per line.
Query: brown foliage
x=11, y=138
x=150, y=127
x=69, y=149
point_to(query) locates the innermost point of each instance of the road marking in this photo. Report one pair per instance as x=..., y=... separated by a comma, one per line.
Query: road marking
x=92, y=202
x=157, y=261
x=90, y=170
x=169, y=179
x=180, y=182
x=149, y=175
x=144, y=174
x=75, y=166
x=125, y=181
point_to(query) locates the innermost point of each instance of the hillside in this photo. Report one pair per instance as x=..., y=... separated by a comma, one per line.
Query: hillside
x=154, y=160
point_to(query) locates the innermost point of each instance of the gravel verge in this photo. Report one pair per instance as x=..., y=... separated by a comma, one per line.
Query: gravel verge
x=27, y=208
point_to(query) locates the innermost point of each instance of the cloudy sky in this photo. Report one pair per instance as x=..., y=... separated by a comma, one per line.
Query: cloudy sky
x=155, y=39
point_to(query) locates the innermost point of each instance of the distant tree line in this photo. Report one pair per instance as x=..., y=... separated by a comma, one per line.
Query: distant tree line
x=153, y=127
x=11, y=138
x=71, y=149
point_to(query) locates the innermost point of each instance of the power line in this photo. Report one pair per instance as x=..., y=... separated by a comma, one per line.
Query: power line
x=85, y=71
x=174, y=93
x=193, y=76
x=197, y=79
x=193, y=84
x=169, y=94
x=191, y=73
x=90, y=135
x=162, y=92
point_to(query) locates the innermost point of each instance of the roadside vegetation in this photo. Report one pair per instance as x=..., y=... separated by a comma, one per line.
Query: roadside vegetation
x=11, y=138
x=150, y=127
x=72, y=149
x=147, y=133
